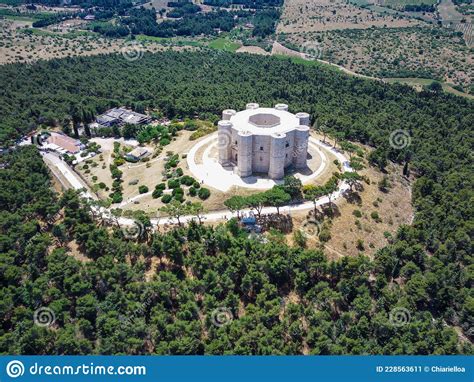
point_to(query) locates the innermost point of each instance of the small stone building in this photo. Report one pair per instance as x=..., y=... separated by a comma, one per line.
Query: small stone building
x=263, y=140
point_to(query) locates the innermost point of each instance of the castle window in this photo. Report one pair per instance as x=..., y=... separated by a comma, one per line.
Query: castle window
x=287, y=144
x=261, y=148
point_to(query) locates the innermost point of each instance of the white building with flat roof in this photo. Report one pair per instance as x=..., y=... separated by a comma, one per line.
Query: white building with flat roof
x=263, y=140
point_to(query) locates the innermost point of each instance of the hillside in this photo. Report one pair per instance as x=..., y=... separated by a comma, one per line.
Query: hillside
x=214, y=290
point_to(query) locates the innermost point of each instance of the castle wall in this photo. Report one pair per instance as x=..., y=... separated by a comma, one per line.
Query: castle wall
x=261, y=153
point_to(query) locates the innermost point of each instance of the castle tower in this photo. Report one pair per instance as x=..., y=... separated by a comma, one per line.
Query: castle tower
x=277, y=156
x=304, y=118
x=300, y=149
x=245, y=153
x=227, y=114
x=263, y=140
x=224, y=140
x=281, y=106
x=252, y=106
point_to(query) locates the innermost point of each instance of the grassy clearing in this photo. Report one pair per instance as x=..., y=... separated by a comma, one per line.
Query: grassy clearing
x=302, y=61
x=168, y=40
x=224, y=44
x=420, y=82
x=13, y=15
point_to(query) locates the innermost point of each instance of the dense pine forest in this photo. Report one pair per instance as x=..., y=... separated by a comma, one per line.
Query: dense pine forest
x=278, y=299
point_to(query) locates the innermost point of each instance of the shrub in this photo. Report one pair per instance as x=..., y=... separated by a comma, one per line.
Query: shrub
x=116, y=197
x=166, y=198
x=325, y=235
x=204, y=193
x=157, y=193
x=164, y=142
x=177, y=191
x=357, y=213
x=179, y=198
x=142, y=189
x=187, y=180
x=299, y=238
x=160, y=186
x=179, y=172
x=192, y=191
x=375, y=215
x=173, y=183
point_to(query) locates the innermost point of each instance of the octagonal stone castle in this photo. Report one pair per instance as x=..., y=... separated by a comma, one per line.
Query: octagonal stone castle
x=263, y=140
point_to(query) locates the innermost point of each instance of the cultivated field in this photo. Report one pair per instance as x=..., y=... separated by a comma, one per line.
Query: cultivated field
x=21, y=43
x=368, y=38
x=426, y=52
x=325, y=15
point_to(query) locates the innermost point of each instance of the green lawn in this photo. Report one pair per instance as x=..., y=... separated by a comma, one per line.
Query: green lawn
x=425, y=82
x=224, y=44
x=168, y=40
x=19, y=16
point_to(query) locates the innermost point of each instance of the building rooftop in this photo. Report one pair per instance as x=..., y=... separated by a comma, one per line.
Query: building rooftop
x=121, y=115
x=138, y=152
x=264, y=121
x=67, y=143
